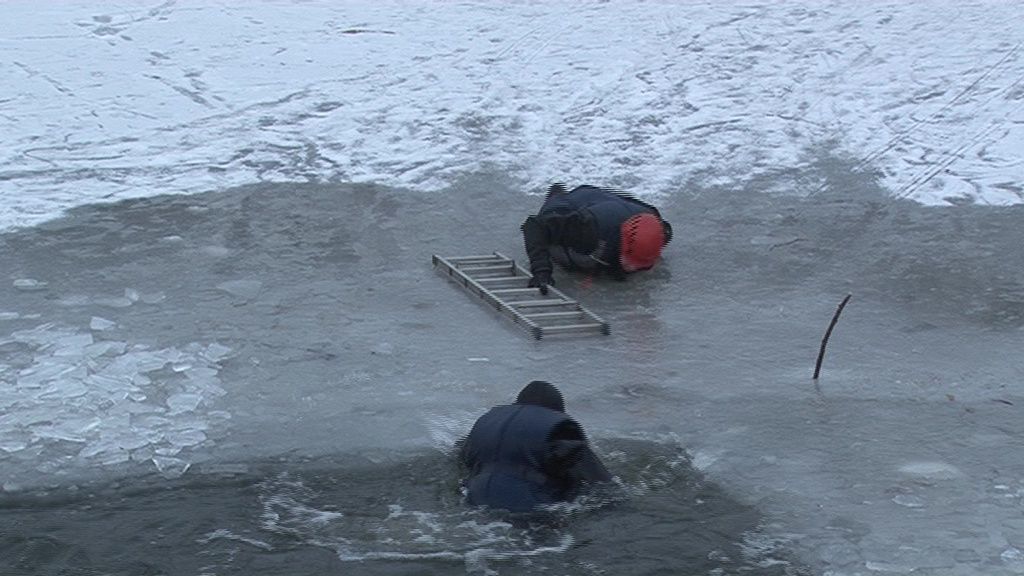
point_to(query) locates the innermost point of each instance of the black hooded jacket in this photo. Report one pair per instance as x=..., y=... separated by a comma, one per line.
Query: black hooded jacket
x=528, y=454
x=580, y=229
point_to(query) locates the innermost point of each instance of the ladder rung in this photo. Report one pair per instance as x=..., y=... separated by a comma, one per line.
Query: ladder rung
x=485, y=257
x=540, y=303
x=572, y=327
x=486, y=268
x=515, y=291
x=501, y=278
x=554, y=315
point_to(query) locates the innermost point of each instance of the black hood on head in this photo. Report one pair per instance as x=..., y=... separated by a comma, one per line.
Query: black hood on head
x=541, y=393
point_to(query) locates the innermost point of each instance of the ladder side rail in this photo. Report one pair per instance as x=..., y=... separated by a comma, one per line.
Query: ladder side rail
x=492, y=299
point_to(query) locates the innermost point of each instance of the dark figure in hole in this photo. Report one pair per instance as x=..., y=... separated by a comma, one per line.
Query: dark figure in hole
x=528, y=454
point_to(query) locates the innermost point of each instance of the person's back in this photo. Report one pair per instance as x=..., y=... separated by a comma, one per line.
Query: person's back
x=529, y=454
x=591, y=228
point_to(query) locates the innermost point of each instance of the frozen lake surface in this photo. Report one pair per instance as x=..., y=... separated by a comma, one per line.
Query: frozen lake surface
x=221, y=341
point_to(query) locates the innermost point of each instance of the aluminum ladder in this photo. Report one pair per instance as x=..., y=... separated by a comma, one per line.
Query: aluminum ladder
x=502, y=283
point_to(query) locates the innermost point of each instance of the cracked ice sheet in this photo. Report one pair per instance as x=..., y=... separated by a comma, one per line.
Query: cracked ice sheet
x=108, y=102
x=105, y=403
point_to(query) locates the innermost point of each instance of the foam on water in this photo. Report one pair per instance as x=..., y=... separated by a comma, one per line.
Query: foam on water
x=291, y=508
x=454, y=532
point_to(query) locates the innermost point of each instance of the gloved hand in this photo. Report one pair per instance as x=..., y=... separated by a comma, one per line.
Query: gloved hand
x=542, y=279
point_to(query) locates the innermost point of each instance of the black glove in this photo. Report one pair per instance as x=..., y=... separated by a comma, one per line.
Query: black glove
x=542, y=279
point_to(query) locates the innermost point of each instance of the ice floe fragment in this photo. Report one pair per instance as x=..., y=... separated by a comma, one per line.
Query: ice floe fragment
x=908, y=500
x=100, y=324
x=114, y=302
x=170, y=467
x=216, y=352
x=185, y=438
x=105, y=348
x=183, y=402
x=29, y=284
x=935, y=470
x=247, y=289
x=1014, y=558
x=12, y=445
x=181, y=366
x=118, y=402
x=154, y=298
x=216, y=251
x=75, y=300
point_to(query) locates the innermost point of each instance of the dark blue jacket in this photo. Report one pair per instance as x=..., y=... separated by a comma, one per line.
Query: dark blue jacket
x=580, y=229
x=522, y=456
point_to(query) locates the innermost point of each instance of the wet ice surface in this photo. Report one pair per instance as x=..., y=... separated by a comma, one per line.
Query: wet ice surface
x=188, y=97
x=900, y=459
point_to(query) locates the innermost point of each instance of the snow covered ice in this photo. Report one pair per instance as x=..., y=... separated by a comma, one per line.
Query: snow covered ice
x=109, y=103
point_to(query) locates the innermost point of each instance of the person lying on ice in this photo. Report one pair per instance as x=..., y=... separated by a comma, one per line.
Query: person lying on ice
x=528, y=454
x=590, y=228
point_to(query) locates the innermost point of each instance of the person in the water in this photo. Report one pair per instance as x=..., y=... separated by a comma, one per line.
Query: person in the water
x=593, y=229
x=529, y=454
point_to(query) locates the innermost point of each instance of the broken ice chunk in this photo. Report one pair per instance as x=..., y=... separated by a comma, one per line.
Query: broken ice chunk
x=64, y=389
x=29, y=284
x=75, y=300
x=908, y=500
x=100, y=446
x=105, y=348
x=12, y=445
x=170, y=467
x=185, y=438
x=181, y=366
x=247, y=289
x=215, y=352
x=216, y=251
x=183, y=402
x=934, y=470
x=116, y=457
x=114, y=302
x=1014, y=558
x=73, y=345
x=35, y=376
x=59, y=431
x=155, y=298
x=98, y=323
x=202, y=375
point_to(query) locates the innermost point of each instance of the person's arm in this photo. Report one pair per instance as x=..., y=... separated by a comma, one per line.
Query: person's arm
x=575, y=230
x=571, y=458
x=537, y=239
